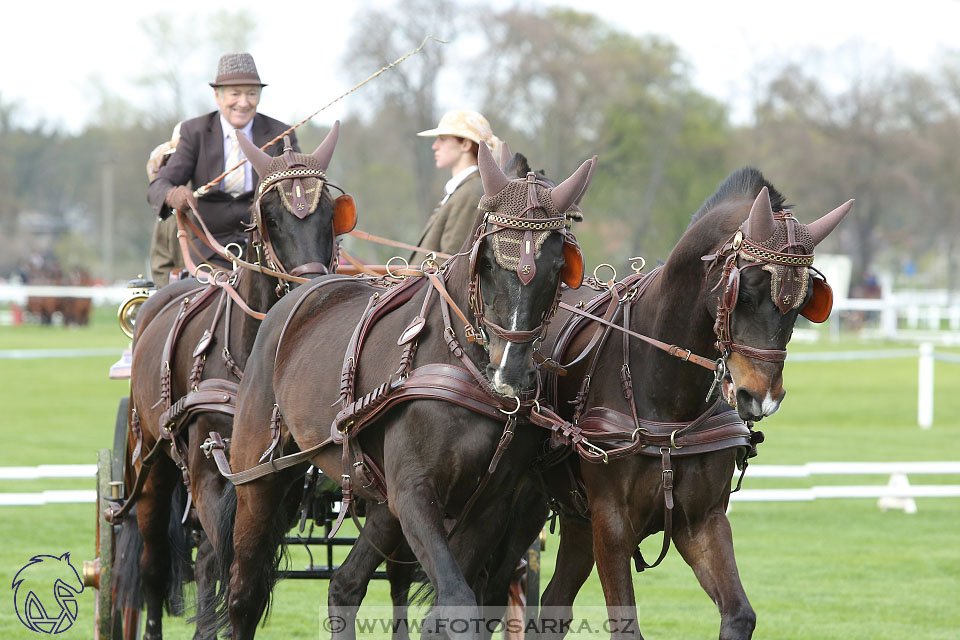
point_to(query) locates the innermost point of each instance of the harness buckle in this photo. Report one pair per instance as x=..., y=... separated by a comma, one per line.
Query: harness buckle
x=717, y=377
x=666, y=476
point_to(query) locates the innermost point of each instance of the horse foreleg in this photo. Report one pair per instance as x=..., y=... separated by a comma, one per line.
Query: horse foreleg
x=207, y=487
x=205, y=574
x=400, y=573
x=529, y=513
x=348, y=585
x=257, y=535
x=707, y=546
x=153, y=518
x=614, y=540
x=417, y=506
x=574, y=564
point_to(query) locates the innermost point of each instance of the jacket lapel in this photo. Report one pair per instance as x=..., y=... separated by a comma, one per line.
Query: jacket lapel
x=213, y=149
x=259, y=131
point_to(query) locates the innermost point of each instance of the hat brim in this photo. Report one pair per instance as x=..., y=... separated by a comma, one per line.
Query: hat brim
x=237, y=83
x=446, y=131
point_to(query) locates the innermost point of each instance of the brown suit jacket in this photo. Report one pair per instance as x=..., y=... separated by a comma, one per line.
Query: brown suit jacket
x=452, y=223
x=198, y=160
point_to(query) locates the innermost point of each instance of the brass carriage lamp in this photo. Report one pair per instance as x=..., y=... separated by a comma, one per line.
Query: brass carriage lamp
x=139, y=290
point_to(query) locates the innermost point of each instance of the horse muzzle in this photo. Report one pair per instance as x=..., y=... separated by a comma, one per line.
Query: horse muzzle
x=755, y=390
x=511, y=370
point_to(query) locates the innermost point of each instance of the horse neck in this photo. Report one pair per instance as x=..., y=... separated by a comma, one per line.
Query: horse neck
x=259, y=292
x=672, y=311
x=458, y=286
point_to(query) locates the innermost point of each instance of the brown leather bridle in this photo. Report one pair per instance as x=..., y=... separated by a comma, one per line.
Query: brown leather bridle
x=260, y=238
x=741, y=253
x=496, y=222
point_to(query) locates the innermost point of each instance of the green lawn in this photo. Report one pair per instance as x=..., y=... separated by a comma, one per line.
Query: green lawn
x=826, y=569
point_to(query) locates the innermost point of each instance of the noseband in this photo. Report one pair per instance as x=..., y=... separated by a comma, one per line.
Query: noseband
x=526, y=265
x=788, y=265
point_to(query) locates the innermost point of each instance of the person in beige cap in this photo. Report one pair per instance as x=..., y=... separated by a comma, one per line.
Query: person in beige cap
x=208, y=146
x=458, y=138
x=165, y=255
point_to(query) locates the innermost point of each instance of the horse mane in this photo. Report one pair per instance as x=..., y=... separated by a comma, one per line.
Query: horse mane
x=744, y=182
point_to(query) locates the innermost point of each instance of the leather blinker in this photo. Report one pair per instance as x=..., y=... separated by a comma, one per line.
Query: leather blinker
x=344, y=214
x=732, y=291
x=572, y=272
x=821, y=302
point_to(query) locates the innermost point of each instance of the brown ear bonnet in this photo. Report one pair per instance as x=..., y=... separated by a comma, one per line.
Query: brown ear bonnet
x=529, y=210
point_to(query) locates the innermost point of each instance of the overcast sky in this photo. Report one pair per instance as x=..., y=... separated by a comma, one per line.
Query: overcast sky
x=51, y=51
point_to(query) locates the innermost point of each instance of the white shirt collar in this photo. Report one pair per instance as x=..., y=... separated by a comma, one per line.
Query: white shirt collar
x=227, y=128
x=455, y=181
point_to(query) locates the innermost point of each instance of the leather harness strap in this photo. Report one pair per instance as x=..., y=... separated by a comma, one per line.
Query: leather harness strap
x=609, y=434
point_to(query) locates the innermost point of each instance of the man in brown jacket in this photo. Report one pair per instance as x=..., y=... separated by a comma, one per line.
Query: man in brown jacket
x=208, y=147
x=455, y=148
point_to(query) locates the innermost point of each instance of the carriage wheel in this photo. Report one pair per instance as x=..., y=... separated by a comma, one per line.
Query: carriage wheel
x=98, y=575
x=110, y=624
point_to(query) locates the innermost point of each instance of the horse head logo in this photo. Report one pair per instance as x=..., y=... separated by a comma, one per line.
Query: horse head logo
x=45, y=594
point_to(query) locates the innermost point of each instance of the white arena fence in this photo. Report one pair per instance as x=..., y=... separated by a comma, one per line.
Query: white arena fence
x=898, y=493
x=18, y=294
x=925, y=353
x=932, y=316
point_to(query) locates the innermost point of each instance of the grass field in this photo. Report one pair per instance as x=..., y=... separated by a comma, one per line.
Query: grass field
x=838, y=569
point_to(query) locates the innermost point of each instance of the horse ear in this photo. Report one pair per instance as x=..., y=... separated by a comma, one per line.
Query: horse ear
x=760, y=224
x=324, y=152
x=505, y=155
x=820, y=229
x=572, y=188
x=259, y=159
x=494, y=180
x=593, y=167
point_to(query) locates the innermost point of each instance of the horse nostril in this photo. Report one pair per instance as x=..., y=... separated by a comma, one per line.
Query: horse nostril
x=748, y=405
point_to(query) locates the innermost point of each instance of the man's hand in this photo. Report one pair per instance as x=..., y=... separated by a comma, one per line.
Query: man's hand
x=180, y=198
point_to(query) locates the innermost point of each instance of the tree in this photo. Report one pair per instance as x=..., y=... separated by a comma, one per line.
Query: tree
x=567, y=85
x=858, y=141
x=406, y=96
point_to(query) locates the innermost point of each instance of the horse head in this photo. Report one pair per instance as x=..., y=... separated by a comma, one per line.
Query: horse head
x=757, y=282
x=295, y=218
x=521, y=254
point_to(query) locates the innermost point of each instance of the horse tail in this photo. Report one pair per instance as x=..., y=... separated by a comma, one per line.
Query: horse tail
x=181, y=567
x=425, y=595
x=126, y=580
x=214, y=616
x=128, y=551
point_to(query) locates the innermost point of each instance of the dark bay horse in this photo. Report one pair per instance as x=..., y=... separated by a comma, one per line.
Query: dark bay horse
x=426, y=454
x=189, y=352
x=732, y=287
x=349, y=582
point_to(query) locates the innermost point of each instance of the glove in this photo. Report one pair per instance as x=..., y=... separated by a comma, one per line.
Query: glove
x=180, y=198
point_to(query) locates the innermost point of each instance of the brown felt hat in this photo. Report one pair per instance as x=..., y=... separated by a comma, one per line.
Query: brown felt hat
x=236, y=69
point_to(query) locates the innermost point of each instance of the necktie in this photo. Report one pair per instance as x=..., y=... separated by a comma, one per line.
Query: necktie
x=233, y=183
